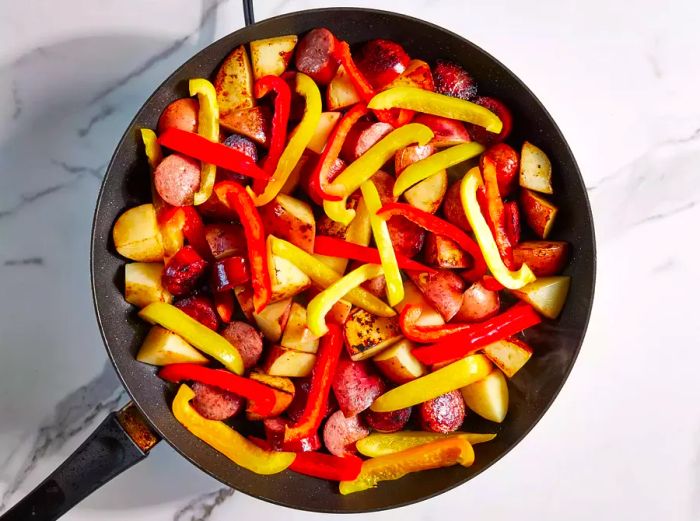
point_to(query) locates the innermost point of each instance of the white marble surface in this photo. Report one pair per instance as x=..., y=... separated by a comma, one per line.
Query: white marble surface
x=623, y=439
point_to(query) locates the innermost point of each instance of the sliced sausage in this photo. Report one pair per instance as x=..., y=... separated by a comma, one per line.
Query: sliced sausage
x=315, y=55
x=478, y=303
x=302, y=386
x=225, y=240
x=355, y=386
x=363, y=135
x=177, y=179
x=392, y=421
x=214, y=403
x=246, y=339
x=243, y=145
x=442, y=414
x=341, y=433
x=201, y=309
x=183, y=271
x=182, y=114
x=274, y=432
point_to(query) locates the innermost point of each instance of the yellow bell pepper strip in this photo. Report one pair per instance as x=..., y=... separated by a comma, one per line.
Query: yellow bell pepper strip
x=382, y=444
x=153, y=151
x=442, y=160
x=441, y=453
x=454, y=376
x=200, y=336
x=364, y=167
x=301, y=136
x=322, y=303
x=509, y=279
x=207, y=127
x=380, y=231
x=428, y=102
x=323, y=276
x=226, y=440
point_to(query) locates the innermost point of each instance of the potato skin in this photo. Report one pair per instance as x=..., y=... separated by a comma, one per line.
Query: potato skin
x=543, y=257
x=443, y=289
x=478, y=303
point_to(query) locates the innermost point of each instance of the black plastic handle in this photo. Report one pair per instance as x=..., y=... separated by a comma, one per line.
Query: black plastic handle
x=108, y=451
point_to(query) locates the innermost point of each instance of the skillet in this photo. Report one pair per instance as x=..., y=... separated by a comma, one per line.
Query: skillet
x=126, y=436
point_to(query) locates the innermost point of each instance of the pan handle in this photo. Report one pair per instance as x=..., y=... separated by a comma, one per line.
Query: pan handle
x=121, y=440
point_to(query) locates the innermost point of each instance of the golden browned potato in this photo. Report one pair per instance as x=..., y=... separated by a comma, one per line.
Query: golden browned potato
x=443, y=252
x=535, y=169
x=271, y=56
x=398, y=364
x=253, y=123
x=286, y=362
x=234, y=84
x=543, y=257
x=325, y=125
x=546, y=294
x=429, y=193
x=488, y=397
x=509, y=355
x=273, y=319
x=290, y=219
x=341, y=93
x=539, y=213
x=287, y=280
x=367, y=334
x=296, y=335
x=283, y=389
x=163, y=347
x=143, y=285
x=136, y=235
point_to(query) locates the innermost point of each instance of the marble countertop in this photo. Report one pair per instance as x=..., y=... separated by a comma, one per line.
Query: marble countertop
x=622, y=441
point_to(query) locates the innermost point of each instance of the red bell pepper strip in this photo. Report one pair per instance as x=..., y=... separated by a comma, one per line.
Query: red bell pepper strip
x=230, y=272
x=395, y=117
x=426, y=334
x=237, y=198
x=320, y=465
x=223, y=302
x=260, y=396
x=283, y=103
x=321, y=379
x=189, y=221
x=440, y=227
x=496, y=212
x=512, y=219
x=458, y=345
x=490, y=283
x=196, y=146
x=334, y=247
x=319, y=179
x=362, y=86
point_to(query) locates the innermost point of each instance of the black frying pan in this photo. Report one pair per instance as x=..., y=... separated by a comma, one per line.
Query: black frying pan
x=123, y=439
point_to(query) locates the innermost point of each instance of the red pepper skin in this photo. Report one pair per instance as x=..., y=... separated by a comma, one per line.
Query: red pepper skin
x=230, y=272
x=426, y=334
x=192, y=227
x=280, y=119
x=362, y=86
x=183, y=271
x=327, y=466
x=512, y=219
x=201, y=148
x=440, y=227
x=321, y=380
x=320, y=177
x=200, y=308
x=223, y=301
x=490, y=283
x=395, y=117
x=496, y=212
x=262, y=396
x=334, y=247
x=458, y=345
x=237, y=198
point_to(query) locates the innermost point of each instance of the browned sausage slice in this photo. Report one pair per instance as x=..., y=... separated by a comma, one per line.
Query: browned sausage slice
x=246, y=339
x=315, y=55
x=177, y=179
x=214, y=403
x=363, y=135
x=442, y=414
x=341, y=433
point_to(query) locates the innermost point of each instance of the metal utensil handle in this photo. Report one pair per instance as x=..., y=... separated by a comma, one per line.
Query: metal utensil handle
x=121, y=440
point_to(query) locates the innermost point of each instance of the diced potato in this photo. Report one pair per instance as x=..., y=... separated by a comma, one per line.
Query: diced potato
x=286, y=362
x=413, y=296
x=253, y=123
x=234, y=84
x=244, y=296
x=417, y=74
x=290, y=219
x=429, y=193
x=341, y=93
x=539, y=213
x=324, y=128
x=535, y=169
x=398, y=364
x=163, y=347
x=367, y=334
x=544, y=258
x=136, y=234
x=296, y=335
x=443, y=252
x=142, y=284
x=271, y=56
x=546, y=294
x=287, y=280
x=509, y=355
x=284, y=393
x=273, y=319
x=488, y=397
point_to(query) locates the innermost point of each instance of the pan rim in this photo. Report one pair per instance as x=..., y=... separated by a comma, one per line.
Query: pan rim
x=576, y=172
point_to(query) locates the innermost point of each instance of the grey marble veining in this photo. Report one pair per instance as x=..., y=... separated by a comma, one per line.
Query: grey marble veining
x=622, y=440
